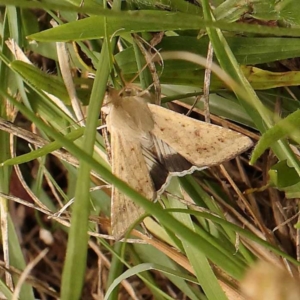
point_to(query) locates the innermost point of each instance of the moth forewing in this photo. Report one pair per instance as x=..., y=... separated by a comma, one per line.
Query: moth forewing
x=128, y=132
x=202, y=144
x=129, y=165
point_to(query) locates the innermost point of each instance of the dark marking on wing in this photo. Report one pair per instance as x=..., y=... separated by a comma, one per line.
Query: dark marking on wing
x=176, y=163
x=164, y=162
x=157, y=170
x=159, y=175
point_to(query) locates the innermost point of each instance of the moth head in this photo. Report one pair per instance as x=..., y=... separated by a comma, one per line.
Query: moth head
x=132, y=90
x=128, y=92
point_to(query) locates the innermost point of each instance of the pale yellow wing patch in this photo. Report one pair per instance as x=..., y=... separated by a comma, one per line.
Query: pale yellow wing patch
x=129, y=165
x=200, y=143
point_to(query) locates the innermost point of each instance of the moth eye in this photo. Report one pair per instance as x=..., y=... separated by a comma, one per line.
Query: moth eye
x=123, y=93
x=127, y=92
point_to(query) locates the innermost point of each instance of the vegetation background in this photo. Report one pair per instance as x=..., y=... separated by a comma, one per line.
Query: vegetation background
x=241, y=214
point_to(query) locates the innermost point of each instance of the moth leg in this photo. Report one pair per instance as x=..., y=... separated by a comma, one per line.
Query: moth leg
x=104, y=133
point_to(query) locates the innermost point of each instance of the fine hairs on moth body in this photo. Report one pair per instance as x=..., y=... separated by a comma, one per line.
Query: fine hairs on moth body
x=150, y=144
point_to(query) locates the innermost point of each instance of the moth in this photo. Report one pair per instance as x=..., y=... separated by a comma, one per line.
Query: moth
x=150, y=144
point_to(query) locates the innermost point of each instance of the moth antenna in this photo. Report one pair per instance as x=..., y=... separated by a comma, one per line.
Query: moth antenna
x=151, y=65
x=154, y=57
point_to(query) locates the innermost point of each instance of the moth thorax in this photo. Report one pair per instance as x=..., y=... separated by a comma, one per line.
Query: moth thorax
x=146, y=141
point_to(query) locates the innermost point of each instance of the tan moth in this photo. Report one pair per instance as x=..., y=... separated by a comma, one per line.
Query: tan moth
x=149, y=144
